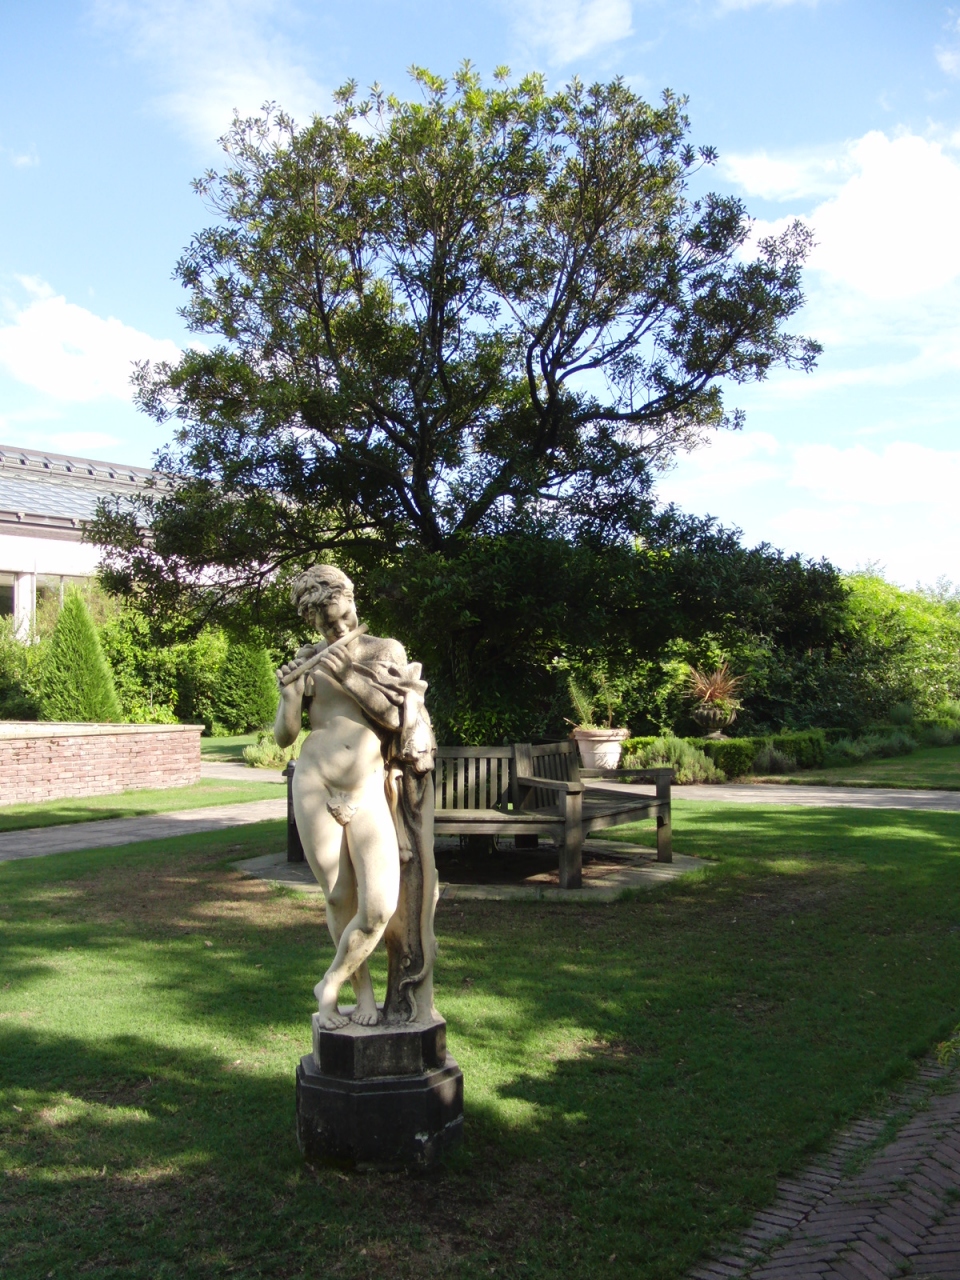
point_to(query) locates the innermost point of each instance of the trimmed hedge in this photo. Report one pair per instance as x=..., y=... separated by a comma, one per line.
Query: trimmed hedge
x=808, y=747
x=735, y=756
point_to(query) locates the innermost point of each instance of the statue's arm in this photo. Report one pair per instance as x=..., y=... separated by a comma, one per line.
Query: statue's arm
x=370, y=694
x=286, y=726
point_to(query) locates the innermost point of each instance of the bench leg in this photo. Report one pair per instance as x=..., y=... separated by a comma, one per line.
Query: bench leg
x=571, y=850
x=664, y=838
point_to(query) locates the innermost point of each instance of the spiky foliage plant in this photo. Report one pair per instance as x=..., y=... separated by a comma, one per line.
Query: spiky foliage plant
x=715, y=688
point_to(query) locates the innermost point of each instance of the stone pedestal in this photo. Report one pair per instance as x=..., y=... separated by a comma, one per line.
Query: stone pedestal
x=386, y=1097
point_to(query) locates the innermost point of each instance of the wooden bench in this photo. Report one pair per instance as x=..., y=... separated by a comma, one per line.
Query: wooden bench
x=530, y=791
x=541, y=790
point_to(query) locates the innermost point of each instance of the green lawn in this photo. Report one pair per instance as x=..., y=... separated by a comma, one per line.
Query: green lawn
x=637, y=1075
x=129, y=804
x=936, y=768
x=226, y=748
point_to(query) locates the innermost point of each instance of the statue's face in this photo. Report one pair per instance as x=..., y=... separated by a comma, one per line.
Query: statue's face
x=335, y=615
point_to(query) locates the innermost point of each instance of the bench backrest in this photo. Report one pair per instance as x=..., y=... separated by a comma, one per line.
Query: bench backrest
x=557, y=761
x=474, y=777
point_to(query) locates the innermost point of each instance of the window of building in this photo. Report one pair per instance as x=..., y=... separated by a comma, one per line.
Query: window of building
x=6, y=595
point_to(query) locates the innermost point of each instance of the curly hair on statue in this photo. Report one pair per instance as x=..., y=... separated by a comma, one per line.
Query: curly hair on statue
x=315, y=584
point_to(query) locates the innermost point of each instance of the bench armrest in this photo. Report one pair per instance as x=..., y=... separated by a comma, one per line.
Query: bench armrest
x=549, y=784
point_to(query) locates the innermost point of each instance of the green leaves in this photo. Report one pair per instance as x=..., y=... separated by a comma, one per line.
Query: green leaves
x=436, y=315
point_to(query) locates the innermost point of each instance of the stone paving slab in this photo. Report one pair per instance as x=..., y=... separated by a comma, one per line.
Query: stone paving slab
x=108, y=832
x=897, y=1214
x=644, y=873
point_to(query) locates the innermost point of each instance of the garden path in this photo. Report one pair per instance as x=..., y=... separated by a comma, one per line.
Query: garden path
x=869, y=1209
x=68, y=837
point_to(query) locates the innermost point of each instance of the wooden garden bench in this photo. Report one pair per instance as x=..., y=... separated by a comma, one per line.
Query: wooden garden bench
x=529, y=791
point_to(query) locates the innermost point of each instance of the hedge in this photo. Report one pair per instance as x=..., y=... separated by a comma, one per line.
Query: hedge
x=808, y=747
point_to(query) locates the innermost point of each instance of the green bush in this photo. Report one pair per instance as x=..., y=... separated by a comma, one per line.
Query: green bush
x=807, y=747
x=633, y=746
x=688, y=762
x=939, y=735
x=19, y=675
x=265, y=754
x=734, y=756
x=76, y=681
x=770, y=760
x=871, y=746
x=246, y=694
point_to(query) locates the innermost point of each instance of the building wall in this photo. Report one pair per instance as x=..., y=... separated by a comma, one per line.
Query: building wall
x=25, y=559
x=55, y=761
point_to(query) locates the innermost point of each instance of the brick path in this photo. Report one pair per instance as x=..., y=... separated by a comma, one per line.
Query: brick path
x=897, y=1214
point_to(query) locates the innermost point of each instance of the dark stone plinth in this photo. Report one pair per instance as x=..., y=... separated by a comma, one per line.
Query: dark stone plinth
x=367, y=1053
x=385, y=1122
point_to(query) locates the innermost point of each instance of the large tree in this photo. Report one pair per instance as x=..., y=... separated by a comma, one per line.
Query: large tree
x=447, y=317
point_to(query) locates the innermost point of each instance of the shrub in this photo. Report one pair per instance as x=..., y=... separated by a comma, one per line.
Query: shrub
x=938, y=735
x=265, y=754
x=901, y=713
x=688, y=762
x=869, y=747
x=76, y=682
x=770, y=760
x=632, y=746
x=19, y=672
x=734, y=756
x=246, y=693
x=807, y=747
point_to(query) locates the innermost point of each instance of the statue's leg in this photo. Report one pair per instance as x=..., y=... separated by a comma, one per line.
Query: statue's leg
x=372, y=845
x=341, y=909
x=325, y=849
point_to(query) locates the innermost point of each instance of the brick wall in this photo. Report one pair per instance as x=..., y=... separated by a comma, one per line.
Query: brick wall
x=54, y=762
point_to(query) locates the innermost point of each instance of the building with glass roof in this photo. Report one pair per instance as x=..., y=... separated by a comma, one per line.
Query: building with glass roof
x=45, y=501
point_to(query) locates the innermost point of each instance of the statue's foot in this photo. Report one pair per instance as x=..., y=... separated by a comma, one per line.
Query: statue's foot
x=332, y=1021
x=365, y=1016
x=330, y=1016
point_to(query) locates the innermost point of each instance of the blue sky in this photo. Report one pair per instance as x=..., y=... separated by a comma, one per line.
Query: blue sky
x=844, y=112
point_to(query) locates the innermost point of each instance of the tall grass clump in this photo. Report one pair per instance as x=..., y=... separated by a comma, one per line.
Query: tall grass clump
x=688, y=762
x=76, y=683
x=265, y=754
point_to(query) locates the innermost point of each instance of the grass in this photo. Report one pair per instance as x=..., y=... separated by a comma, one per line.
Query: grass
x=227, y=748
x=637, y=1075
x=929, y=768
x=129, y=804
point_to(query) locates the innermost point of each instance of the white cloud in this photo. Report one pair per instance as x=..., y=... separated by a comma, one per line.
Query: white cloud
x=796, y=176
x=214, y=56
x=570, y=29
x=70, y=353
x=896, y=504
x=890, y=230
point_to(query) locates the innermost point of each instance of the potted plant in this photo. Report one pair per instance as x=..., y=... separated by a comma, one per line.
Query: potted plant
x=599, y=745
x=714, y=695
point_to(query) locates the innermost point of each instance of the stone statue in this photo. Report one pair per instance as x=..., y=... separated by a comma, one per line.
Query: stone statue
x=363, y=801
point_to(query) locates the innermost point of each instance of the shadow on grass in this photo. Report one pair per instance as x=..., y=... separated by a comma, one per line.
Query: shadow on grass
x=637, y=1075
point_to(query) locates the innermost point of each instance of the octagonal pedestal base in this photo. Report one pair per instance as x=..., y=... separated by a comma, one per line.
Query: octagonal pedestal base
x=388, y=1122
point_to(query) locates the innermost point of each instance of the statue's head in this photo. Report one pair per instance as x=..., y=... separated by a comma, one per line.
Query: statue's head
x=323, y=595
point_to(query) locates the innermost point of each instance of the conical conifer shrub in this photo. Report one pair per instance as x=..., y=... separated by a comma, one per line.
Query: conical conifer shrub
x=247, y=691
x=77, y=683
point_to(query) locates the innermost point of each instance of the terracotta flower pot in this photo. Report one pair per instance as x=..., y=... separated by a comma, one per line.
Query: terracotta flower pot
x=599, y=748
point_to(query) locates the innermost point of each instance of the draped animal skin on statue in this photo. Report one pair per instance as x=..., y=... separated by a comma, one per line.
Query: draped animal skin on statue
x=363, y=801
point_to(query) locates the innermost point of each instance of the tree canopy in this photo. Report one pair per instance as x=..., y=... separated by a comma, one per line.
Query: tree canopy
x=489, y=307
